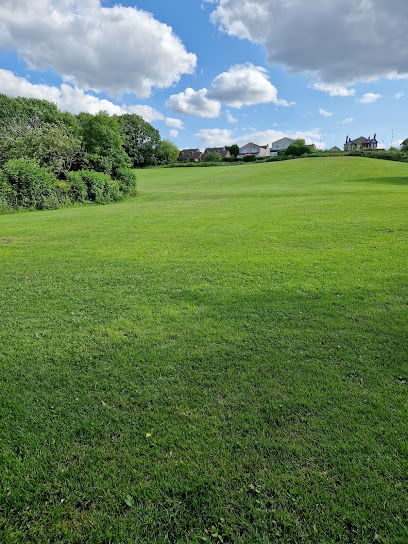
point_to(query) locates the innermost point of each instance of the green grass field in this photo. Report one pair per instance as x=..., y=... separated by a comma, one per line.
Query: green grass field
x=223, y=358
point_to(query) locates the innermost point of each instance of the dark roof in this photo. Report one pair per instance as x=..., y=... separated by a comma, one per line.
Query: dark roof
x=248, y=144
x=190, y=154
x=361, y=140
x=220, y=150
x=335, y=148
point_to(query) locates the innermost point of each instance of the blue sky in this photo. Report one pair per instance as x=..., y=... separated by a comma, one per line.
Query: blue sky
x=210, y=73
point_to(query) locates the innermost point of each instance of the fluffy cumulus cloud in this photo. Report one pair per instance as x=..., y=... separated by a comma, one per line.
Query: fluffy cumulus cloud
x=245, y=85
x=175, y=123
x=70, y=98
x=194, y=103
x=118, y=49
x=341, y=41
x=241, y=85
x=174, y=133
x=369, y=98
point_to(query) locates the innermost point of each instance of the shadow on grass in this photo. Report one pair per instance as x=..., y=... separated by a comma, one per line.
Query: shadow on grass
x=389, y=180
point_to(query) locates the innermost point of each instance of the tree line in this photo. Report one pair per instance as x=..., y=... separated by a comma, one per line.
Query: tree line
x=50, y=158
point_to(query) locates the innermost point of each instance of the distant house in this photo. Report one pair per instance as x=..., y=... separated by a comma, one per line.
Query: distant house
x=254, y=149
x=335, y=149
x=280, y=145
x=225, y=154
x=361, y=143
x=192, y=155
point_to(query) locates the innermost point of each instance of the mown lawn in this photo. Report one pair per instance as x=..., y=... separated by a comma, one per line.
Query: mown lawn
x=222, y=359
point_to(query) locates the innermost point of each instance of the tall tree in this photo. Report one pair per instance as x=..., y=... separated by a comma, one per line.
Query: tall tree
x=103, y=143
x=233, y=149
x=166, y=152
x=140, y=139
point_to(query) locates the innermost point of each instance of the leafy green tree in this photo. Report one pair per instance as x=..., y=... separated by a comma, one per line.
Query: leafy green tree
x=53, y=146
x=36, y=129
x=103, y=143
x=233, y=149
x=404, y=145
x=297, y=149
x=166, y=152
x=140, y=139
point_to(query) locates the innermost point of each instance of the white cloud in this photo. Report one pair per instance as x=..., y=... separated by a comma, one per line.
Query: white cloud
x=334, y=90
x=340, y=41
x=175, y=123
x=194, y=103
x=242, y=85
x=369, y=98
x=149, y=114
x=230, y=117
x=214, y=137
x=325, y=113
x=399, y=95
x=174, y=133
x=70, y=98
x=118, y=49
x=245, y=85
x=346, y=121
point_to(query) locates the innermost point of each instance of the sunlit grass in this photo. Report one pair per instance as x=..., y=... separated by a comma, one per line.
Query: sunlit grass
x=222, y=358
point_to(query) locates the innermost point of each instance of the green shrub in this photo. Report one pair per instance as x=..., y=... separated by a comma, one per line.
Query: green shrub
x=7, y=194
x=127, y=180
x=249, y=158
x=94, y=186
x=32, y=186
x=212, y=157
x=64, y=193
x=79, y=190
x=112, y=190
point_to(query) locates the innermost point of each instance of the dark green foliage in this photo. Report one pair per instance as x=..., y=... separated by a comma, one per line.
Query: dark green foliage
x=102, y=143
x=127, y=180
x=298, y=149
x=404, y=146
x=249, y=158
x=64, y=193
x=79, y=189
x=140, y=139
x=233, y=149
x=53, y=146
x=32, y=185
x=212, y=157
x=100, y=188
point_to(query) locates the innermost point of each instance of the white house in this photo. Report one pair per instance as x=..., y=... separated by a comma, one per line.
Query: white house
x=280, y=145
x=254, y=149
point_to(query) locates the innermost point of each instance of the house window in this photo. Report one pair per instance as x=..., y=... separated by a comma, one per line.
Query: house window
x=254, y=150
x=277, y=147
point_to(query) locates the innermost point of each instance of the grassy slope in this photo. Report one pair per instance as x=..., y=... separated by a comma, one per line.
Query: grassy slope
x=252, y=320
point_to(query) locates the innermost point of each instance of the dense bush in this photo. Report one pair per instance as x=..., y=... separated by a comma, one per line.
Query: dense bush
x=249, y=158
x=100, y=188
x=212, y=157
x=30, y=185
x=298, y=148
x=126, y=178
